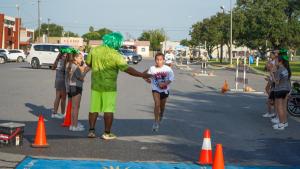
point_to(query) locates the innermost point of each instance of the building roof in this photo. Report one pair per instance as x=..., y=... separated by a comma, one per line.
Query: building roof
x=142, y=43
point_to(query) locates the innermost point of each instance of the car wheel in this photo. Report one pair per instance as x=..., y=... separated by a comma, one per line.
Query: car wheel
x=35, y=63
x=20, y=59
x=2, y=60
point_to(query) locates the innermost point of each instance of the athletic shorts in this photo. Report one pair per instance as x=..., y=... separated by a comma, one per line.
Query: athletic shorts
x=103, y=102
x=74, y=90
x=163, y=95
x=281, y=94
x=272, y=96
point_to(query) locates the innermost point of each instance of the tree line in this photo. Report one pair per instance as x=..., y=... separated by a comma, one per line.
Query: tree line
x=260, y=25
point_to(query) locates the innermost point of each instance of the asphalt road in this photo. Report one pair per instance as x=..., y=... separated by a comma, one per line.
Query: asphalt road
x=195, y=104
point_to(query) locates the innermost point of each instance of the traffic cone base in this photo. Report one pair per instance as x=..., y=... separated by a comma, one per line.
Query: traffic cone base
x=40, y=140
x=67, y=120
x=225, y=87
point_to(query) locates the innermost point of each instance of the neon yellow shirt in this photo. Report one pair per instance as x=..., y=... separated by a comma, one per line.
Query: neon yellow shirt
x=106, y=63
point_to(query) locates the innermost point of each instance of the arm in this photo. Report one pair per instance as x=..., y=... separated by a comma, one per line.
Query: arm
x=131, y=71
x=55, y=63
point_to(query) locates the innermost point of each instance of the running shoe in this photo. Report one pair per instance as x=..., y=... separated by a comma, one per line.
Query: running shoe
x=280, y=126
x=155, y=127
x=268, y=115
x=275, y=120
x=108, y=136
x=57, y=116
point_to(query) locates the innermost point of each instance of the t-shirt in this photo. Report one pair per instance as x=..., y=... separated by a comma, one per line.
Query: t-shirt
x=76, y=76
x=169, y=57
x=106, y=63
x=282, y=75
x=160, y=75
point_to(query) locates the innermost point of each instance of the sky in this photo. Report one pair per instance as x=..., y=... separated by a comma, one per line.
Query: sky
x=130, y=17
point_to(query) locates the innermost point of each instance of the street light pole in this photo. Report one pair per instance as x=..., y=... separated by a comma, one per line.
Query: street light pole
x=48, y=30
x=230, y=55
x=39, y=19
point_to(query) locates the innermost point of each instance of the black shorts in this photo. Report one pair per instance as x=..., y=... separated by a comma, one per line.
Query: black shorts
x=281, y=94
x=74, y=90
x=163, y=95
x=272, y=95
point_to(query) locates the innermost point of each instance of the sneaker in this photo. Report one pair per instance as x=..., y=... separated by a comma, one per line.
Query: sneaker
x=275, y=120
x=280, y=126
x=268, y=115
x=109, y=136
x=71, y=128
x=155, y=127
x=92, y=133
x=57, y=116
x=80, y=125
x=77, y=128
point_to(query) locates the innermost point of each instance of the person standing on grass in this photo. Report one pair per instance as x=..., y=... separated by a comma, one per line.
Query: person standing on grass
x=105, y=62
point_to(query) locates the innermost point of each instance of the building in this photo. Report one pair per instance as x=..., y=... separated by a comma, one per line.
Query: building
x=26, y=38
x=140, y=47
x=75, y=42
x=9, y=32
x=166, y=45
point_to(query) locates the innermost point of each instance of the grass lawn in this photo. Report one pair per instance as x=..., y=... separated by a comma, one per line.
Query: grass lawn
x=295, y=66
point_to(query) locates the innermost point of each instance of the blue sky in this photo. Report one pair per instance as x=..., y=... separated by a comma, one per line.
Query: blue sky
x=129, y=17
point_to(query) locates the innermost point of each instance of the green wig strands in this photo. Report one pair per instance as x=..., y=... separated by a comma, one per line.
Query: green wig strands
x=284, y=54
x=113, y=40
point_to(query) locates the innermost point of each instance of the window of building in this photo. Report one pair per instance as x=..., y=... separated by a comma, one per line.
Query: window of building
x=143, y=49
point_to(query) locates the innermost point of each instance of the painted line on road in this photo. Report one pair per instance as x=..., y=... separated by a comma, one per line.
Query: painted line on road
x=38, y=163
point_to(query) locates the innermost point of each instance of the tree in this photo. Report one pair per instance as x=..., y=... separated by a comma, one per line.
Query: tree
x=207, y=33
x=185, y=42
x=70, y=34
x=91, y=29
x=54, y=30
x=155, y=37
x=273, y=22
x=103, y=31
x=95, y=35
x=91, y=36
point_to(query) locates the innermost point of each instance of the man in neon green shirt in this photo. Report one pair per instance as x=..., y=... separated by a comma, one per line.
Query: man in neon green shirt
x=105, y=62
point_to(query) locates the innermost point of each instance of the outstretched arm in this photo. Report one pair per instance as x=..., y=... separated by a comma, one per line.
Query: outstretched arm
x=136, y=73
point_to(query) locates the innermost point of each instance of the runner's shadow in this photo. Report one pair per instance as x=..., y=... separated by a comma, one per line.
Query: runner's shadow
x=39, y=110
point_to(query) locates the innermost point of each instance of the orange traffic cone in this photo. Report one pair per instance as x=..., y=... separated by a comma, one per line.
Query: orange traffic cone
x=218, y=159
x=67, y=121
x=206, y=152
x=40, y=140
x=225, y=87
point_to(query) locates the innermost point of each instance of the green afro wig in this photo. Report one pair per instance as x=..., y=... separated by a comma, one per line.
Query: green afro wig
x=113, y=40
x=284, y=54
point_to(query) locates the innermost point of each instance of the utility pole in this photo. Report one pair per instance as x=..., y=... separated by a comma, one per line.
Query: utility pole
x=230, y=55
x=48, y=30
x=39, y=19
x=18, y=9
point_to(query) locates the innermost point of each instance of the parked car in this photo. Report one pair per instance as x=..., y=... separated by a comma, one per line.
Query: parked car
x=14, y=54
x=3, y=58
x=131, y=56
x=43, y=54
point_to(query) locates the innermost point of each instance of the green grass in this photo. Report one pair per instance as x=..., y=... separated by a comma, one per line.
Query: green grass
x=295, y=66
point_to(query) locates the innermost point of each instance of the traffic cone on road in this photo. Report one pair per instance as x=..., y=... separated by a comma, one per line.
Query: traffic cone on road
x=225, y=87
x=40, y=140
x=206, y=152
x=67, y=120
x=219, y=158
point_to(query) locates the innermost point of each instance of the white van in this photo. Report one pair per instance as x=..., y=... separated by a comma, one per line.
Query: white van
x=43, y=54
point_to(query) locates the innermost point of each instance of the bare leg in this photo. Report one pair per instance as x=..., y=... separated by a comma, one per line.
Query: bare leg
x=108, y=121
x=56, y=101
x=281, y=113
x=162, y=107
x=285, y=100
x=63, y=102
x=156, y=97
x=75, y=107
x=92, y=120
